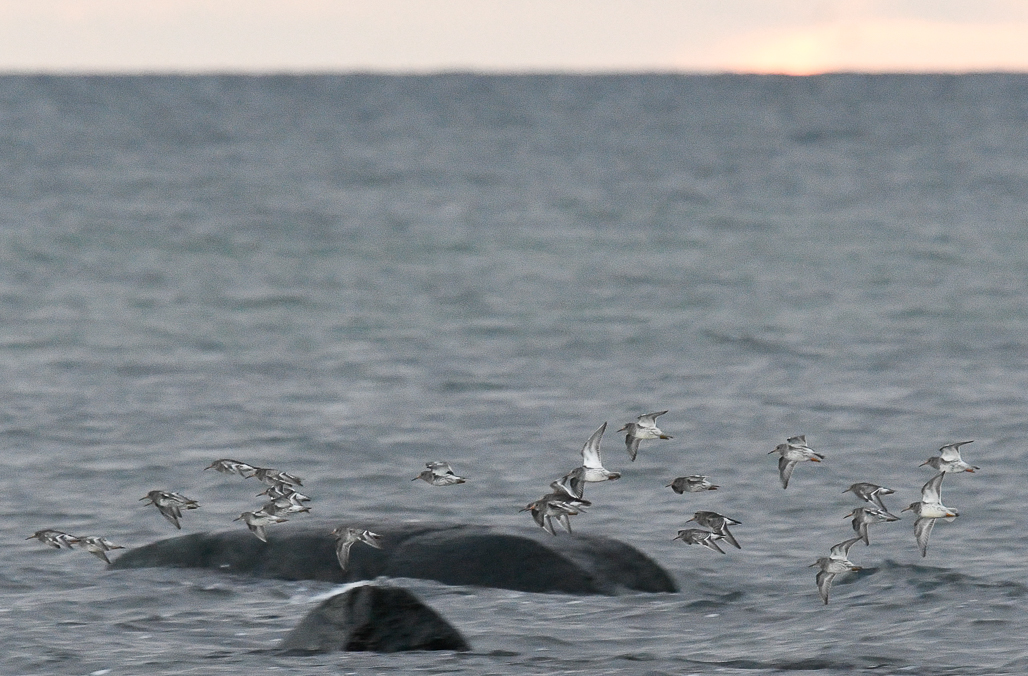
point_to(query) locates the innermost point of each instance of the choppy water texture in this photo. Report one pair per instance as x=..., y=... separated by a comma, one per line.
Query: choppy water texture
x=345, y=277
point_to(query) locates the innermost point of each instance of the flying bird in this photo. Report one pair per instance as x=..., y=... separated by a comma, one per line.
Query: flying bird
x=592, y=467
x=346, y=537
x=833, y=564
x=691, y=484
x=228, y=466
x=257, y=521
x=439, y=474
x=793, y=451
x=865, y=516
x=98, y=546
x=645, y=427
x=170, y=505
x=870, y=493
x=928, y=510
x=697, y=536
x=718, y=524
x=949, y=459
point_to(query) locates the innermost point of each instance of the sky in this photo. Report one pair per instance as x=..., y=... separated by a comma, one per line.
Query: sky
x=512, y=36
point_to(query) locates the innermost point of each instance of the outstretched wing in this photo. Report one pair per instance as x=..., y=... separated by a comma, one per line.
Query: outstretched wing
x=785, y=468
x=824, y=584
x=922, y=531
x=842, y=550
x=951, y=452
x=591, y=450
x=931, y=492
x=650, y=419
x=632, y=445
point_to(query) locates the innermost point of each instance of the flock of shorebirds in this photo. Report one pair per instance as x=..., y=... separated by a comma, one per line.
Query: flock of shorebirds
x=566, y=499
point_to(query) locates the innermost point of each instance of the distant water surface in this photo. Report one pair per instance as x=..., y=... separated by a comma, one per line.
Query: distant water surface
x=346, y=276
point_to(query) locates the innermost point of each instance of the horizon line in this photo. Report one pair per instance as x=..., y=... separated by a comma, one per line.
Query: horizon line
x=526, y=72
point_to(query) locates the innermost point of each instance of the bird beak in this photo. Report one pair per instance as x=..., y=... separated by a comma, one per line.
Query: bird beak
x=815, y=459
x=666, y=436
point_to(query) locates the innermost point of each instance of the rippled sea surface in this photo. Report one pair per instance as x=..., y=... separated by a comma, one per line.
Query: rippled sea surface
x=347, y=276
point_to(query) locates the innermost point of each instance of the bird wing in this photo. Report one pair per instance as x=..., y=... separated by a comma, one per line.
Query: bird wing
x=824, y=584
x=259, y=531
x=723, y=532
x=343, y=552
x=439, y=467
x=372, y=539
x=632, y=445
x=842, y=549
x=922, y=531
x=951, y=452
x=932, y=490
x=785, y=468
x=650, y=419
x=876, y=497
x=709, y=542
x=574, y=482
x=861, y=527
x=171, y=513
x=591, y=450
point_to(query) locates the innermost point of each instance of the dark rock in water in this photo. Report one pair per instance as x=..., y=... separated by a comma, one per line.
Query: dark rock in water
x=373, y=618
x=530, y=561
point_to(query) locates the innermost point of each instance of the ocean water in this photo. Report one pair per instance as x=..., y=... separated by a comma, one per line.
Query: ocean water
x=347, y=276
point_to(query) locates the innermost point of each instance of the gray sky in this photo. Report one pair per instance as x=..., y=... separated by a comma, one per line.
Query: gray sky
x=791, y=36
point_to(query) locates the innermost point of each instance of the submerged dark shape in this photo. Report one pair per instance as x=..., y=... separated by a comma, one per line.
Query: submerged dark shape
x=373, y=618
x=524, y=560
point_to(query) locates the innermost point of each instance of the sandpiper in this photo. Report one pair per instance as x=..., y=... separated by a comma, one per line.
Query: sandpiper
x=346, y=537
x=550, y=507
x=285, y=505
x=697, y=536
x=256, y=521
x=793, y=451
x=228, y=466
x=55, y=538
x=98, y=546
x=949, y=459
x=170, y=505
x=644, y=428
x=833, y=564
x=273, y=476
x=718, y=523
x=928, y=510
x=870, y=493
x=574, y=482
x=592, y=466
x=439, y=474
x=691, y=484
x=279, y=490
x=865, y=516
